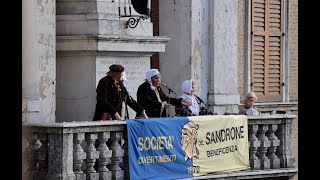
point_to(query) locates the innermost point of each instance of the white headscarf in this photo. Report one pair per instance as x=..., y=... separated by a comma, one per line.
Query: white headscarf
x=149, y=74
x=186, y=86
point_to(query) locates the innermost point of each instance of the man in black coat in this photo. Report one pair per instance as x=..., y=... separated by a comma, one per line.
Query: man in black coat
x=152, y=98
x=110, y=95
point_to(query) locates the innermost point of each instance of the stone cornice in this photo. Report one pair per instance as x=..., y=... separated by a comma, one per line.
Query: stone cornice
x=116, y=43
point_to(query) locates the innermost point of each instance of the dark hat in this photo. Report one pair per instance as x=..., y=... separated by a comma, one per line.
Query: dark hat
x=116, y=68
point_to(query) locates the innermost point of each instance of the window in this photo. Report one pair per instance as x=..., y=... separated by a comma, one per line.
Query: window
x=267, y=46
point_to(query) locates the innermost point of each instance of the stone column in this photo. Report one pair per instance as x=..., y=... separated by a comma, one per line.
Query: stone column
x=38, y=61
x=223, y=94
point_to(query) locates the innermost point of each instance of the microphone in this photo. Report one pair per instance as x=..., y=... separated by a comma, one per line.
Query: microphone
x=169, y=89
x=164, y=84
x=201, y=101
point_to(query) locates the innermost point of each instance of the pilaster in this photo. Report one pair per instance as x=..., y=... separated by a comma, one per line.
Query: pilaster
x=223, y=81
x=38, y=60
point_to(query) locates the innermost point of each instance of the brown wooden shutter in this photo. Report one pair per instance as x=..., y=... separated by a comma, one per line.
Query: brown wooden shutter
x=267, y=60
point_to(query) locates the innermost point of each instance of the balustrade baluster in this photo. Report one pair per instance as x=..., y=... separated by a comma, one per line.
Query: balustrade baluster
x=254, y=143
x=265, y=144
x=78, y=155
x=92, y=155
x=104, y=155
x=117, y=154
x=275, y=142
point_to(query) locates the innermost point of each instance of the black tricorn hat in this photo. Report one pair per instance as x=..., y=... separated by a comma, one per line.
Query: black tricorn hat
x=116, y=68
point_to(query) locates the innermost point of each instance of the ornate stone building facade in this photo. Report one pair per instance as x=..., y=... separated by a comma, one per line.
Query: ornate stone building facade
x=228, y=47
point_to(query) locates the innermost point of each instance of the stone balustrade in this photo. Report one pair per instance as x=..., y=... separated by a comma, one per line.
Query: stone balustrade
x=98, y=150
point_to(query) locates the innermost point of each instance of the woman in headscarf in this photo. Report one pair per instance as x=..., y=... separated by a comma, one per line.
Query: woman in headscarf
x=152, y=98
x=188, y=89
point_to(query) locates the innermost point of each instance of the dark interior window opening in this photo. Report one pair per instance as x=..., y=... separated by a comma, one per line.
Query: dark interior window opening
x=140, y=6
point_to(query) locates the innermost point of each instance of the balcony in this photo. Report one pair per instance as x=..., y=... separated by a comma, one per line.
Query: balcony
x=68, y=150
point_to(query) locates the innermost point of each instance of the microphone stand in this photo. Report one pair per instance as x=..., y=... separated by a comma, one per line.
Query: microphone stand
x=127, y=96
x=126, y=108
x=201, y=101
x=169, y=90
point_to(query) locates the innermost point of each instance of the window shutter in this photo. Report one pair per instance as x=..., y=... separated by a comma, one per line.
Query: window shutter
x=266, y=45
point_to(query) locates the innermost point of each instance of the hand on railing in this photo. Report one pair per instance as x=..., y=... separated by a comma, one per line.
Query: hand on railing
x=144, y=115
x=118, y=117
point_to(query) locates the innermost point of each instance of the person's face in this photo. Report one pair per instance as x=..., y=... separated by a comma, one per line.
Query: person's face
x=156, y=80
x=185, y=138
x=189, y=141
x=193, y=87
x=118, y=76
x=250, y=102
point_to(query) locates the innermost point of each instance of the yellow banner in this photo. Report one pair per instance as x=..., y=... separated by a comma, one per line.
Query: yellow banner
x=221, y=144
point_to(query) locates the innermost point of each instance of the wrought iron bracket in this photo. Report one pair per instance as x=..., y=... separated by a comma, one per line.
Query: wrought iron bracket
x=133, y=21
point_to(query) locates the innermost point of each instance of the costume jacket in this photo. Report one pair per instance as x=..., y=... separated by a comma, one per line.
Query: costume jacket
x=110, y=101
x=149, y=101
